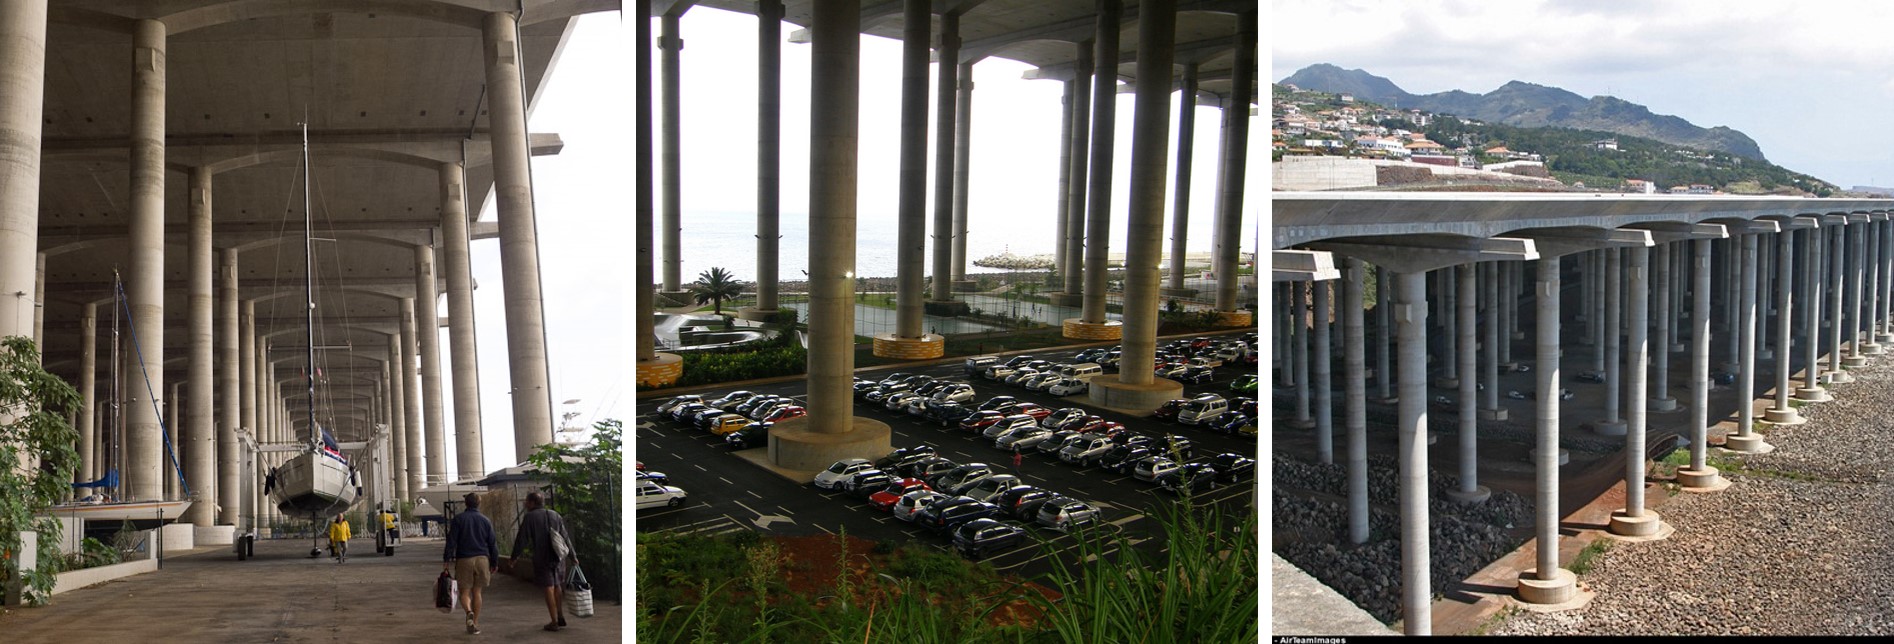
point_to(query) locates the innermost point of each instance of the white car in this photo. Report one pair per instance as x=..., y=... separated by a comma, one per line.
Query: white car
x=652, y=495
x=912, y=502
x=1043, y=380
x=955, y=393
x=841, y=471
x=1068, y=387
x=999, y=371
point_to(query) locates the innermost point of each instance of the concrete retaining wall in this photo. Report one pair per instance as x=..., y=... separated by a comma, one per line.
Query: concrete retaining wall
x=1321, y=173
x=76, y=579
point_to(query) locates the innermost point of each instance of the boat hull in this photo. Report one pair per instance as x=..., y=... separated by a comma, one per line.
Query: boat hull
x=313, y=486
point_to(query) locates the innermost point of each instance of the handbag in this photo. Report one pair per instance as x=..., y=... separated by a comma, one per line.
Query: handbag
x=578, y=594
x=561, y=549
x=446, y=588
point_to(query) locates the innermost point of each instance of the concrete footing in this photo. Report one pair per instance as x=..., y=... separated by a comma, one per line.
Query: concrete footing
x=1663, y=404
x=1479, y=495
x=1560, y=589
x=1532, y=456
x=1493, y=414
x=1077, y=329
x=1609, y=428
x=946, y=308
x=1784, y=416
x=1648, y=527
x=178, y=537
x=1751, y=444
x=1107, y=391
x=754, y=314
x=1813, y=394
x=793, y=447
x=1704, y=480
x=1871, y=349
x=216, y=535
x=1066, y=299
x=1838, y=377
x=660, y=371
x=926, y=347
x=1884, y=338
x=1853, y=362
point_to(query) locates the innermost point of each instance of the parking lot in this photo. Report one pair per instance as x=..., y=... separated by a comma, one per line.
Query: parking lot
x=727, y=493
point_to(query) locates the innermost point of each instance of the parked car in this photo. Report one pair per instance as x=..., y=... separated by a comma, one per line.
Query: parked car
x=885, y=498
x=1196, y=375
x=1246, y=384
x=841, y=471
x=997, y=402
x=653, y=476
x=1043, y=381
x=1082, y=423
x=928, y=467
x=1059, y=417
x=682, y=413
x=727, y=423
x=1068, y=387
x=1089, y=355
x=1232, y=468
x=1023, y=439
x=702, y=418
x=987, y=488
x=898, y=400
x=957, y=392
x=652, y=495
x=679, y=401
x=1123, y=458
x=731, y=399
x=912, y=502
x=979, y=537
x=1195, y=477
x=903, y=453
x=1233, y=422
x=1168, y=410
x=865, y=483
x=1007, y=426
x=947, y=514
x=999, y=371
x=1035, y=410
x=765, y=411
x=978, y=364
x=945, y=413
x=1085, y=451
x=980, y=420
x=1021, y=502
x=785, y=412
x=895, y=377
x=1064, y=513
x=916, y=405
x=928, y=388
x=751, y=436
x=963, y=476
x=1152, y=467
x=1019, y=376
x=1202, y=408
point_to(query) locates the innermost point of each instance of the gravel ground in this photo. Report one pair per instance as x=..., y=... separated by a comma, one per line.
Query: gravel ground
x=1798, y=546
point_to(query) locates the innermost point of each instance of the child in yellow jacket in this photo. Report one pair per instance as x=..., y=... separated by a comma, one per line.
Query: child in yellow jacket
x=339, y=538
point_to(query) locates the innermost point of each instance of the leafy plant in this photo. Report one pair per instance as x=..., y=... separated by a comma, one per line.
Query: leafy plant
x=587, y=488
x=714, y=286
x=37, y=460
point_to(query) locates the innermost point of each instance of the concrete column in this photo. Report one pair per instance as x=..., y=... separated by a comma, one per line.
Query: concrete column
x=1546, y=582
x=911, y=212
x=90, y=439
x=1449, y=332
x=832, y=166
x=1837, y=262
x=519, y=244
x=645, y=342
x=199, y=448
x=1509, y=310
x=1489, y=346
x=470, y=455
x=671, y=231
x=1812, y=283
x=963, y=154
x=1613, y=423
x=420, y=458
x=175, y=455
x=1104, y=128
x=247, y=374
x=1733, y=290
x=1411, y=427
x=397, y=384
x=1599, y=317
x=1782, y=413
x=1700, y=476
x=1180, y=204
x=1635, y=520
x=1324, y=388
x=1384, y=331
x=145, y=454
x=1661, y=400
x=1679, y=273
x=1080, y=144
x=945, y=103
x=1745, y=439
x=1231, y=168
x=1298, y=352
x=1065, y=179
x=1354, y=397
x=1470, y=490
x=22, y=106
x=1857, y=273
x=769, y=117
x=39, y=304
x=1887, y=282
x=229, y=395
x=427, y=325
x=1763, y=301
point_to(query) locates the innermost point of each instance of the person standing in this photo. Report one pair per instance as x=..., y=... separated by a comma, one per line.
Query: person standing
x=540, y=527
x=473, y=554
x=391, y=530
x=339, y=539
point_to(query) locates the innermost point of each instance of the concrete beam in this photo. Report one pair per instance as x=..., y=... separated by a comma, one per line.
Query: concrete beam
x=1421, y=253
x=1559, y=242
x=1304, y=265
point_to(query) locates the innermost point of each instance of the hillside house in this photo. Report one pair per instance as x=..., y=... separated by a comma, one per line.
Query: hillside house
x=1605, y=144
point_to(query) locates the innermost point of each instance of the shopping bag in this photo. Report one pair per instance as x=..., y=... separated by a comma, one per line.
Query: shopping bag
x=445, y=590
x=578, y=594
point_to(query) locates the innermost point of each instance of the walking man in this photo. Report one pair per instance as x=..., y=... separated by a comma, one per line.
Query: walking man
x=472, y=555
x=542, y=528
x=339, y=539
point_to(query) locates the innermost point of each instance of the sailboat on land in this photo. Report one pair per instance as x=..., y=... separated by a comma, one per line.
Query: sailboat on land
x=317, y=482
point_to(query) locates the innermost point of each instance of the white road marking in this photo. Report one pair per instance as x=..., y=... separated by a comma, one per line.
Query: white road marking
x=725, y=481
x=754, y=494
x=1126, y=520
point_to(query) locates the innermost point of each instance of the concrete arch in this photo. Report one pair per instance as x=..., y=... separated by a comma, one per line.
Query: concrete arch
x=64, y=15
x=237, y=10
x=287, y=154
x=350, y=236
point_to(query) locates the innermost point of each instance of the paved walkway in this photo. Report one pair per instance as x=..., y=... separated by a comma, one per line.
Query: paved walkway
x=1300, y=605
x=284, y=596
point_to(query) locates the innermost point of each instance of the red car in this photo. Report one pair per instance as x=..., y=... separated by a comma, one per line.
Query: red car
x=786, y=413
x=1037, y=412
x=980, y=420
x=886, y=498
x=1168, y=411
x=1109, y=429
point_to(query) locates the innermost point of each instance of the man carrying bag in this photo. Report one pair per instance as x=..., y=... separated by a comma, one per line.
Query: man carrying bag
x=545, y=530
x=472, y=555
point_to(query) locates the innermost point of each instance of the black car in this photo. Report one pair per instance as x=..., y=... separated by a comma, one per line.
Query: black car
x=862, y=387
x=1124, y=457
x=1172, y=446
x=1056, y=442
x=927, y=467
x=895, y=377
x=731, y=399
x=1089, y=355
x=1233, y=467
x=752, y=435
x=1196, y=477
x=1231, y=422
x=997, y=402
x=976, y=538
x=683, y=413
x=1021, y=502
x=945, y=413
x=947, y=514
x=932, y=386
x=1019, y=360
x=902, y=454
x=865, y=484
x=1196, y=375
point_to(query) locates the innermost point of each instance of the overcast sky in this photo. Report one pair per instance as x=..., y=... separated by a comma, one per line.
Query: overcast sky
x=1809, y=81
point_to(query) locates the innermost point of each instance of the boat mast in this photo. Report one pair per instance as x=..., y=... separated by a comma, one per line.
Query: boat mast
x=309, y=296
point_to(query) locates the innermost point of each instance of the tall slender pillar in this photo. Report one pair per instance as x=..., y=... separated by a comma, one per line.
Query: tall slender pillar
x=1856, y=274
x=1782, y=413
x=519, y=243
x=834, y=132
x=1613, y=423
x=398, y=399
x=1635, y=520
x=1546, y=582
x=945, y=102
x=1324, y=388
x=1104, y=128
x=1231, y=170
x=427, y=326
x=1065, y=179
x=1470, y=490
x=1837, y=275
x=1886, y=331
x=1081, y=110
x=1411, y=428
x=769, y=118
x=1598, y=319
x=1180, y=205
x=963, y=155
x=645, y=342
x=910, y=338
x=22, y=106
x=671, y=45
x=247, y=372
x=145, y=452
x=419, y=458
x=1508, y=310
x=1812, y=284
x=90, y=439
x=1660, y=360
x=229, y=394
x=1299, y=351
x=39, y=303
x=1700, y=476
x=1384, y=332
x=1489, y=346
x=1450, y=374
x=199, y=431
x=470, y=455
x=1354, y=396
x=1745, y=439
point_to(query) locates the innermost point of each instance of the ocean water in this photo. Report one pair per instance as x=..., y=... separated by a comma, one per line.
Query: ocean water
x=728, y=240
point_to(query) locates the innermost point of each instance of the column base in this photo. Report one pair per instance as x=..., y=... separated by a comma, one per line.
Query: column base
x=214, y=535
x=1077, y=329
x=1066, y=299
x=1751, y=444
x=1837, y=377
x=1701, y=481
x=1610, y=428
x=1677, y=348
x=1813, y=394
x=1479, y=495
x=1447, y=383
x=946, y=308
x=661, y=371
x=1299, y=423
x=1560, y=589
x=1871, y=349
x=1765, y=355
x=794, y=447
x=1884, y=338
x=1783, y=416
x=1854, y=362
x=1493, y=414
x=1235, y=318
x=1648, y=527
x=1177, y=292
x=966, y=286
x=1663, y=404
x=754, y=314
x=888, y=345
x=1565, y=457
x=1107, y=391
x=673, y=298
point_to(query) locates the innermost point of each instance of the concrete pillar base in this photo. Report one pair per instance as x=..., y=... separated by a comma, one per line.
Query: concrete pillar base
x=1663, y=404
x=946, y=308
x=215, y=535
x=1561, y=588
x=964, y=286
x=1493, y=414
x=754, y=314
x=793, y=446
x=1565, y=457
x=1390, y=400
x=1813, y=394
x=1609, y=428
x=1479, y=495
x=1784, y=416
x=1764, y=355
x=1066, y=299
x=1677, y=348
x=1871, y=349
x=1077, y=329
x=673, y=298
x=1704, y=480
x=1235, y=318
x=1177, y=292
x=1107, y=391
x=1884, y=338
x=1837, y=377
x=180, y=537
x=1854, y=362
x=1300, y=423
x=1624, y=525
x=660, y=371
x=926, y=347
x=1751, y=444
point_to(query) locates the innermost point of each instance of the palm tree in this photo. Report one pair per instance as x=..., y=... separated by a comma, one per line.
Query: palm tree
x=714, y=286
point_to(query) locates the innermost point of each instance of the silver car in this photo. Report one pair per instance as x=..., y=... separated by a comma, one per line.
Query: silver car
x=1007, y=426
x=1023, y=438
x=1085, y=451
x=1063, y=513
x=960, y=393
x=912, y=502
x=992, y=486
